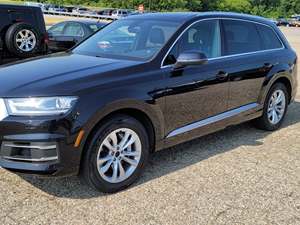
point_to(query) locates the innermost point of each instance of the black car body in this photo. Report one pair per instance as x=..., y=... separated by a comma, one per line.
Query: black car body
x=17, y=19
x=65, y=35
x=184, y=84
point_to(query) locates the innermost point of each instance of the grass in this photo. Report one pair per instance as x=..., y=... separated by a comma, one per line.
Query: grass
x=11, y=2
x=50, y=20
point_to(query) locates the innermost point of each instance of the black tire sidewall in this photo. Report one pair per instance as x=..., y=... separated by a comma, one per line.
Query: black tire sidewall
x=91, y=174
x=266, y=123
x=10, y=40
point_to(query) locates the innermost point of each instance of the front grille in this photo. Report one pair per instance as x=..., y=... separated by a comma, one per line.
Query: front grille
x=29, y=151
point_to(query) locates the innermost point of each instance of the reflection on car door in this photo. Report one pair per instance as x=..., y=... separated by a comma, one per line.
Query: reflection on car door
x=195, y=93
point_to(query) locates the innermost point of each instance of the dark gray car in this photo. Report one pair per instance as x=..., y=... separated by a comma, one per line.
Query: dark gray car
x=65, y=35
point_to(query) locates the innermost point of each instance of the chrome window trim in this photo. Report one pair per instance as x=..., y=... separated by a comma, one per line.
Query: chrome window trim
x=226, y=56
x=213, y=119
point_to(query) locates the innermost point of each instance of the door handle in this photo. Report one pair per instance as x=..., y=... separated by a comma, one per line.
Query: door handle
x=268, y=65
x=222, y=75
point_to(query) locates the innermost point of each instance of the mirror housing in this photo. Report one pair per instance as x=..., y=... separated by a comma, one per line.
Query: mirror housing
x=190, y=58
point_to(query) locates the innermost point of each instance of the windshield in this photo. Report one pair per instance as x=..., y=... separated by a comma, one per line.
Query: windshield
x=134, y=39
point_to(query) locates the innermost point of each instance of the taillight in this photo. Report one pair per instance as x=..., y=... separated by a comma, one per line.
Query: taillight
x=46, y=38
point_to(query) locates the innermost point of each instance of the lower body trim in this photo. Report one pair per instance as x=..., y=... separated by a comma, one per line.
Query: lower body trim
x=212, y=119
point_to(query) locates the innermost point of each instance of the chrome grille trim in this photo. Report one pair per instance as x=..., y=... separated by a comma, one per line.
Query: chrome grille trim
x=46, y=147
x=3, y=109
x=31, y=160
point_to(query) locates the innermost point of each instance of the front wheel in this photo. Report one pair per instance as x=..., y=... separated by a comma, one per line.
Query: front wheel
x=275, y=108
x=116, y=155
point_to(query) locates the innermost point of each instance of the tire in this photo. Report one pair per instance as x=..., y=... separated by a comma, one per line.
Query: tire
x=96, y=149
x=264, y=122
x=31, y=40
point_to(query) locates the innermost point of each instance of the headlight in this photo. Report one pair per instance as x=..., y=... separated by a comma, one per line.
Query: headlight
x=42, y=106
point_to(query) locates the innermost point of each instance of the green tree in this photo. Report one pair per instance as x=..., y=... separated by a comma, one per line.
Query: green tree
x=234, y=5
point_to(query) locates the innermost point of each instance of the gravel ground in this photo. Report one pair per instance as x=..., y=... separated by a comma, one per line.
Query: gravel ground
x=236, y=176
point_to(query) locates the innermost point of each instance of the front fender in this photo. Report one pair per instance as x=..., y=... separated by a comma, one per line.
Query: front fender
x=151, y=111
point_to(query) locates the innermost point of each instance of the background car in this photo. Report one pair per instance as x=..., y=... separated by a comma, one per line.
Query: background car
x=106, y=12
x=295, y=21
x=65, y=35
x=119, y=13
x=57, y=8
x=283, y=22
x=22, y=31
x=80, y=10
x=69, y=8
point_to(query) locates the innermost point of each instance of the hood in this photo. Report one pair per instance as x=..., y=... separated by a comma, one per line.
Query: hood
x=45, y=75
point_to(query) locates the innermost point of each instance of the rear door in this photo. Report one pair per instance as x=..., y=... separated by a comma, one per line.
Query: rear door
x=245, y=61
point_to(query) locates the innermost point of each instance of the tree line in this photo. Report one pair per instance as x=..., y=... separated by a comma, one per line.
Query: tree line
x=267, y=8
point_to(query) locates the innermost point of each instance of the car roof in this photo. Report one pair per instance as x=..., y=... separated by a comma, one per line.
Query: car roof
x=8, y=6
x=87, y=22
x=186, y=16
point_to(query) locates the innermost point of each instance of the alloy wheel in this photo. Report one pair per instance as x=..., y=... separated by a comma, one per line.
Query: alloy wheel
x=119, y=155
x=26, y=40
x=276, y=107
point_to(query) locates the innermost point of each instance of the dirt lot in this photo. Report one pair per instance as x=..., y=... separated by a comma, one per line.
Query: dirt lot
x=237, y=176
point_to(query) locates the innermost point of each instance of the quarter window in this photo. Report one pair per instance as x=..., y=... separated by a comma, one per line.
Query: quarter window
x=269, y=38
x=203, y=36
x=240, y=37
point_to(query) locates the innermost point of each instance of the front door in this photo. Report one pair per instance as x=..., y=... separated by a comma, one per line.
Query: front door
x=195, y=93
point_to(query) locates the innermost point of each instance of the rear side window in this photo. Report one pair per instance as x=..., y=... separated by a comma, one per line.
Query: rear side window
x=74, y=29
x=240, y=37
x=269, y=38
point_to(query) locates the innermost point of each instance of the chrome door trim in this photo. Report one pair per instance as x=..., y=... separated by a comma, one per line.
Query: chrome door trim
x=212, y=119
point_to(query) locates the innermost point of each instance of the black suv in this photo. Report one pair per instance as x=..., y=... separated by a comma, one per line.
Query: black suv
x=139, y=85
x=22, y=31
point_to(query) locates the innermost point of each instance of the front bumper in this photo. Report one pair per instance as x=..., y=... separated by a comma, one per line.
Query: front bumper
x=43, y=146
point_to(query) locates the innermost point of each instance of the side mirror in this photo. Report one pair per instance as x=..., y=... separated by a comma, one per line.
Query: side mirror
x=190, y=58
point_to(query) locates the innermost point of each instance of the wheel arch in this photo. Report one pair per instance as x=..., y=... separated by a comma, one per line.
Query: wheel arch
x=276, y=78
x=152, y=120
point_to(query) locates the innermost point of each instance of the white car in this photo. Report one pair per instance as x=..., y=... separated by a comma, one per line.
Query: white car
x=119, y=13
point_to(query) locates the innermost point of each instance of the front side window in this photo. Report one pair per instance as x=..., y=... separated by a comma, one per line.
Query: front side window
x=129, y=39
x=240, y=37
x=269, y=38
x=203, y=36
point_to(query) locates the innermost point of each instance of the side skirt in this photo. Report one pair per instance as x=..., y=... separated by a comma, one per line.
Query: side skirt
x=214, y=123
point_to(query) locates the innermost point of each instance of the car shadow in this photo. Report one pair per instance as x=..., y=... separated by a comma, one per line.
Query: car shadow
x=172, y=159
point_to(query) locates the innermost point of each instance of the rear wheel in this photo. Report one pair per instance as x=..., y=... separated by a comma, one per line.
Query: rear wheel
x=116, y=155
x=275, y=108
x=22, y=40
